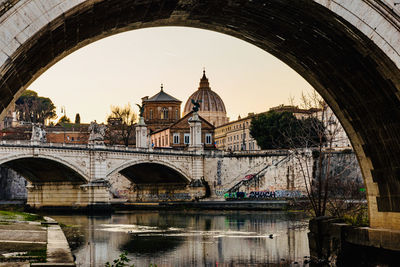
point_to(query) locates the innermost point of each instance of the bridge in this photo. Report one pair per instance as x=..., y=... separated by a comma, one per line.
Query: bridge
x=80, y=176
x=347, y=50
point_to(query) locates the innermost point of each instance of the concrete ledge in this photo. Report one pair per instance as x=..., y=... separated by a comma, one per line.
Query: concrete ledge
x=58, y=251
x=47, y=264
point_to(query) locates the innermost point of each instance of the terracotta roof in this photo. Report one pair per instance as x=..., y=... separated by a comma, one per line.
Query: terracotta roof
x=181, y=119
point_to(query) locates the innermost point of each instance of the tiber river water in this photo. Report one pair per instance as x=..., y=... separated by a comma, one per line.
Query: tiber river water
x=180, y=238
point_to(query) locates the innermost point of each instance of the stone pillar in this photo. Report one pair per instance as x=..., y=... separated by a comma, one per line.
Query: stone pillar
x=198, y=159
x=195, y=133
x=67, y=194
x=141, y=134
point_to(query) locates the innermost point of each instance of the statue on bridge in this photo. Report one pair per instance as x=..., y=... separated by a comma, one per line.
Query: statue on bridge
x=97, y=132
x=141, y=110
x=196, y=104
x=38, y=133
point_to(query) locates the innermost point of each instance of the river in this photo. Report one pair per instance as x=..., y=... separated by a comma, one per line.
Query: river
x=180, y=238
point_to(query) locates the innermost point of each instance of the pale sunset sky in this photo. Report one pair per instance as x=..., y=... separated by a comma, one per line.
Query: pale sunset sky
x=123, y=68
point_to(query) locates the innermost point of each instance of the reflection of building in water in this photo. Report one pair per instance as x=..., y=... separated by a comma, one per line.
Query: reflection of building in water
x=199, y=239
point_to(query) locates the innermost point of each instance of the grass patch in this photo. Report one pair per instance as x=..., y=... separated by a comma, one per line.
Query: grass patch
x=37, y=253
x=40, y=255
x=18, y=215
x=358, y=219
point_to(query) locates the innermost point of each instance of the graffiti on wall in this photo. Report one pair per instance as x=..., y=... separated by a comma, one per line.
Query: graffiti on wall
x=265, y=194
x=220, y=192
x=168, y=196
x=219, y=164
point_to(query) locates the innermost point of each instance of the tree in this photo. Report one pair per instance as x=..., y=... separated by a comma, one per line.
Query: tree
x=121, y=125
x=282, y=130
x=77, y=118
x=330, y=177
x=64, y=119
x=33, y=108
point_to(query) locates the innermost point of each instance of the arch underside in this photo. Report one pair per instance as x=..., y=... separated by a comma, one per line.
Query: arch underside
x=354, y=76
x=153, y=173
x=40, y=170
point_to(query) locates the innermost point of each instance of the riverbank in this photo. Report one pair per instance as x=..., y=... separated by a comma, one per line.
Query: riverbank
x=32, y=240
x=205, y=205
x=256, y=205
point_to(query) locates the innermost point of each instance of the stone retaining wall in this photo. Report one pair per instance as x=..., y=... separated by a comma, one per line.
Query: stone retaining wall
x=346, y=245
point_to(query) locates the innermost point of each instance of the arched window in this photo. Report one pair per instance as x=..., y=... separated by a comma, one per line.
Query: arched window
x=151, y=114
x=164, y=113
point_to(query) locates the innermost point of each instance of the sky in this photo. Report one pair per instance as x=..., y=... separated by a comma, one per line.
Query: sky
x=125, y=67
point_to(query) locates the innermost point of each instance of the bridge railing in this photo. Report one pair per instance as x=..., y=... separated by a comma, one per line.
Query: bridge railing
x=116, y=148
x=165, y=151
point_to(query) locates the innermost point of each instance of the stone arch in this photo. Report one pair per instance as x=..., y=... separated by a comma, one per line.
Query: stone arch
x=30, y=168
x=166, y=164
x=348, y=50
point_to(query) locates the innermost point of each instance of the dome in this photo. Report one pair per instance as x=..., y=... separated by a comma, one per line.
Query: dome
x=212, y=108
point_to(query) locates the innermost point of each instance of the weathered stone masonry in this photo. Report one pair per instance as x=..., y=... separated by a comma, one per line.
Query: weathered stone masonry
x=347, y=50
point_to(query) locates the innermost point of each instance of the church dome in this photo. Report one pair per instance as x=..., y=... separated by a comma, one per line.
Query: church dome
x=212, y=108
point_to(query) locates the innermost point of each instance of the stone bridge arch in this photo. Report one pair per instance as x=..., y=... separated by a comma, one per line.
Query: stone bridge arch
x=348, y=50
x=44, y=169
x=183, y=175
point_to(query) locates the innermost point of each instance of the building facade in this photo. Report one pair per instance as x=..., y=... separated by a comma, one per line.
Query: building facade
x=177, y=135
x=160, y=110
x=212, y=108
x=235, y=135
x=68, y=133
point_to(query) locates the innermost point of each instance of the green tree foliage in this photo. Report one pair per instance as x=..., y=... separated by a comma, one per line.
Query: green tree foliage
x=122, y=261
x=282, y=130
x=121, y=125
x=33, y=108
x=77, y=118
x=64, y=119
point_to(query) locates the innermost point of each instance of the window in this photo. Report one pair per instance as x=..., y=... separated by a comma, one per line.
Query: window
x=151, y=114
x=176, y=138
x=208, y=138
x=164, y=113
x=176, y=114
x=72, y=138
x=187, y=138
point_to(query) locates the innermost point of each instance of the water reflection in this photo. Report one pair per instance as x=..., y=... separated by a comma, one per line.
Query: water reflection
x=192, y=238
